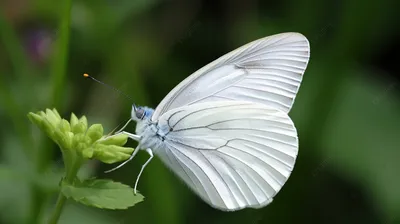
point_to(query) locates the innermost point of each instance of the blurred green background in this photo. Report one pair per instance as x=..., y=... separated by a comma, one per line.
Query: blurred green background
x=347, y=111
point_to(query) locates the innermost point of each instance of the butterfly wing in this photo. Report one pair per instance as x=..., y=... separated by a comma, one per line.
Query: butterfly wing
x=267, y=71
x=233, y=154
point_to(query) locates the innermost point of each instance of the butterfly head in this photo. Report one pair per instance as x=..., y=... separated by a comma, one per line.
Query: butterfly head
x=141, y=113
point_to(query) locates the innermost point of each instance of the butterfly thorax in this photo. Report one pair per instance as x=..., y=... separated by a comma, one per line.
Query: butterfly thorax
x=148, y=130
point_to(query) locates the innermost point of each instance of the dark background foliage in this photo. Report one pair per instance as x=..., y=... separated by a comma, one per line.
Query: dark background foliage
x=346, y=113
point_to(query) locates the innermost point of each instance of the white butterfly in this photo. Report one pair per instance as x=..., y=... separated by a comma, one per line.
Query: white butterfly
x=225, y=130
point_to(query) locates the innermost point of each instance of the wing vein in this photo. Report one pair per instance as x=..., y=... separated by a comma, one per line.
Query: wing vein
x=194, y=162
x=220, y=176
x=251, y=168
x=269, y=173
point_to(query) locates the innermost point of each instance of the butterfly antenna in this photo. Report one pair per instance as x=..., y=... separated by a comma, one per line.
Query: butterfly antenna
x=111, y=132
x=111, y=87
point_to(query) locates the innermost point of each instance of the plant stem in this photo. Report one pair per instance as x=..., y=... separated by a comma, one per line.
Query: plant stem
x=69, y=179
x=58, y=209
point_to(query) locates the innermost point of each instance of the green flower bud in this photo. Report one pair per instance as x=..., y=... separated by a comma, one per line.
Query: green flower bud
x=63, y=139
x=119, y=140
x=42, y=114
x=87, y=153
x=111, y=153
x=56, y=113
x=95, y=132
x=79, y=128
x=48, y=127
x=79, y=142
x=84, y=121
x=74, y=120
x=34, y=118
x=42, y=123
x=52, y=117
x=64, y=126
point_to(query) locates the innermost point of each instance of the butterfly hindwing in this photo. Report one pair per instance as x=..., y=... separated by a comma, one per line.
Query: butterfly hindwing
x=233, y=154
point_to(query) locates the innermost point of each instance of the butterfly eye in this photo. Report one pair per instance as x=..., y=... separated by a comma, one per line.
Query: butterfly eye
x=140, y=113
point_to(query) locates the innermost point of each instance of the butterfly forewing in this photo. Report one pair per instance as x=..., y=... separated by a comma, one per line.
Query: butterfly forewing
x=267, y=71
x=233, y=154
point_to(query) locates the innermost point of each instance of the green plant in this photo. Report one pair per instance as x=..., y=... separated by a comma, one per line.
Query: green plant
x=79, y=143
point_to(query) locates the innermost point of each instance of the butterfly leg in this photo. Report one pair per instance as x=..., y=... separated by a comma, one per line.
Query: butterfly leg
x=144, y=165
x=126, y=161
x=130, y=135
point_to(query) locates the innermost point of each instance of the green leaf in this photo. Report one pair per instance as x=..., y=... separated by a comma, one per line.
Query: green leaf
x=102, y=194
